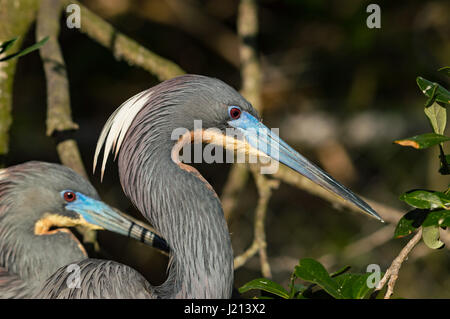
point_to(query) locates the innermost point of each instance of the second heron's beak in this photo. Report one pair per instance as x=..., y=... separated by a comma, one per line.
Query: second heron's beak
x=97, y=214
x=258, y=136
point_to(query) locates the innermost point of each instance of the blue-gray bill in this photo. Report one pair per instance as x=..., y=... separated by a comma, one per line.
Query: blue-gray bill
x=264, y=140
x=98, y=213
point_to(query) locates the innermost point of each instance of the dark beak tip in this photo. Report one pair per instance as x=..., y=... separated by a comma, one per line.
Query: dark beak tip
x=375, y=215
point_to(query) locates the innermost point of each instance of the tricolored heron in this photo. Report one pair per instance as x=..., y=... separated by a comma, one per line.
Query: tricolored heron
x=38, y=201
x=172, y=195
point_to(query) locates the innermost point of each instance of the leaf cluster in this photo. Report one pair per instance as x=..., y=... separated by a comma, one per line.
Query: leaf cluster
x=338, y=285
x=431, y=208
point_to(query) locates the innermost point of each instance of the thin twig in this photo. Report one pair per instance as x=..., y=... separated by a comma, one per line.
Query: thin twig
x=236, y=181
x=265, y=187
x=392, y=272
x=247, y=25
x=259, y=243
x=251, y=89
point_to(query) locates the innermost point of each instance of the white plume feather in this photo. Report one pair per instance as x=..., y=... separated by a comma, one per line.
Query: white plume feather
x=117, y=126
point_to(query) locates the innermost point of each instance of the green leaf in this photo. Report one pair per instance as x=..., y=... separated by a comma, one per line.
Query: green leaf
x=434, y=91
x=437, y=218
x=265, y=285
x=354, y=286
x=423, y=141
x=310, y=270
x=7, y=44
x=445, y=70
x=424, y=199
x=430, y=236
x=437, y=116
x=25, y=51
x=410, y=222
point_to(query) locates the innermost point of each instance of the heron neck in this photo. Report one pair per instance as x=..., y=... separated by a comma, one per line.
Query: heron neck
x=187, y=213
x=33, y=258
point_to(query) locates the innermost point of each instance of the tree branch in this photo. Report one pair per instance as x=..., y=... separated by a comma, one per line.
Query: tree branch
x=251, y=89
x=392, y=272
x=59, y=114
x=259, y=243
x=123, y=47
x=59, y=118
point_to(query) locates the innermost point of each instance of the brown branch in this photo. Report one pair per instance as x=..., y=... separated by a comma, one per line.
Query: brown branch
x=123, y=47
x=59, y=118
x=237, y=179
x=247, y=25
x=392, y=272
x=259, y=244
x=265, y=187
x=251, y=89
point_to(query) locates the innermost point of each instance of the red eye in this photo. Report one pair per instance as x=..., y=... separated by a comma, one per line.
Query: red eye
x=235, y=113
x=69, y=196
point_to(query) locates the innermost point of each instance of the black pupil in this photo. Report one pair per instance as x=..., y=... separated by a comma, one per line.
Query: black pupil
x=69, y=196
x=235, y=113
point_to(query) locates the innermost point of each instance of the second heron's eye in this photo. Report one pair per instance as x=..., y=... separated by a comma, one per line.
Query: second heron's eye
x=235, y=112
x=69, y=196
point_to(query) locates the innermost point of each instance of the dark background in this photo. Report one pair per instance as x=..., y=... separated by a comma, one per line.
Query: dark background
x=339, y=92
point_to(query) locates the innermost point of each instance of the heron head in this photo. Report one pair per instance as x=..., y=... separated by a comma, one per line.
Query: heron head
x=221, y=107
x=180, y=102
x=53, y=197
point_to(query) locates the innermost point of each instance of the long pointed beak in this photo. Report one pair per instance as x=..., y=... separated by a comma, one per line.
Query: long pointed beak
x=100, y=214
x=267, y=142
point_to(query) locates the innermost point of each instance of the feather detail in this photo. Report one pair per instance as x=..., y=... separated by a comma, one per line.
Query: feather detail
x=115, y=129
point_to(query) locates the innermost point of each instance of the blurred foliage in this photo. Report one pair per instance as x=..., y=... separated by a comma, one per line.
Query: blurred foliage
x=432, y=208
x=432, y=212
x=324, y=71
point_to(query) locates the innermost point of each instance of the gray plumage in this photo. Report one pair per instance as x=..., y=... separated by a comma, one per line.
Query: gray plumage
x=27, y=192
x=182, y=207
x=27, y=260
x=99, y=279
